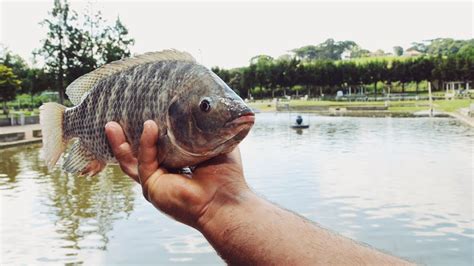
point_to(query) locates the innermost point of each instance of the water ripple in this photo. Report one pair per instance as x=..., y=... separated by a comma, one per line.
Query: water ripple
x=401, y=185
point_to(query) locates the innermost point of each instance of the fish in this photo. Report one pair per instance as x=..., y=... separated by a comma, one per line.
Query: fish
x=199, y=117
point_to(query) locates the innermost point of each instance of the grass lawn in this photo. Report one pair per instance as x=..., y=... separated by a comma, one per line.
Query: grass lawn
x=395, y=106
x=265, y=106
x=333, y=103
x=452, y=105
x=407, y=109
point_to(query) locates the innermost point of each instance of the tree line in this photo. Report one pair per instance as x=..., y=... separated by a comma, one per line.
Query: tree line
x=269, y=77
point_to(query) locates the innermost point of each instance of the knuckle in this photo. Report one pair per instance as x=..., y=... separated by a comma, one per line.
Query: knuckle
x=121, y=152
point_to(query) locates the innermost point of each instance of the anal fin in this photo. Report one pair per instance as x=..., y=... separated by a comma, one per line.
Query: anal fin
x=81, y=161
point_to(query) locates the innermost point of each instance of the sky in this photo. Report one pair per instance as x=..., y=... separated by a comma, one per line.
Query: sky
x=228, y=33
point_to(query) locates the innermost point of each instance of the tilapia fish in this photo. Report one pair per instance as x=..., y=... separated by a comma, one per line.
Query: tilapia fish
x=198, y=115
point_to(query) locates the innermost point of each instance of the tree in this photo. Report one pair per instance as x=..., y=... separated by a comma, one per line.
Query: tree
x=376, y=71
x=329, y=50
x=40, y=80
x=398, y=50
x=308, y=52
x=232, y=78
x=349, y=74
x=56, y=48
x=400, y=71
x=18, y=66
x=420, y=69
x=313, y=75
x=9, y=84
x=118, y=42
x=465, y=63
x=249, y=79
x=305, y=76
x=331, y=75
x=418, y=46
x=263, y=75
x=235, y=83
x=94, y=32
x=358, y=52
x=285, y=73
x=72, y=49
x=447, y=46
x=222, y=73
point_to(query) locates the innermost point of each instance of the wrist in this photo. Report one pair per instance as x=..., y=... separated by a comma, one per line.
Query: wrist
x=224, y=211
x=234, y=227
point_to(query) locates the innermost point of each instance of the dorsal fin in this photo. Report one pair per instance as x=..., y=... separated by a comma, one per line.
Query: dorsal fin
x=78, y=89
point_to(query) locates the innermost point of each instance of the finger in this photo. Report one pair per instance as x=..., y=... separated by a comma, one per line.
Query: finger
x=121, y=149
x=147, y=153
x=148, y=143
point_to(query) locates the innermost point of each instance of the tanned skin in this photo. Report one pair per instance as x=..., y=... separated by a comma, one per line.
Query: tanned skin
x=241, y=226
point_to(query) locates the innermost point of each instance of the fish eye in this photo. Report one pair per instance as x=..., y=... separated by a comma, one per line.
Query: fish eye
x=205, y=105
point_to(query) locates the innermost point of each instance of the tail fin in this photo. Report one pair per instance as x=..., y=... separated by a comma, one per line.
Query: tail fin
x=51, y=120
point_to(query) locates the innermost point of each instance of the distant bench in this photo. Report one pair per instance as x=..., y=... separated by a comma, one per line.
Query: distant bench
x=37, y=133
x=9, y=137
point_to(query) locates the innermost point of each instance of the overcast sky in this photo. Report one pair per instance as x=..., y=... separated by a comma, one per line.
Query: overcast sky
x=229, y=33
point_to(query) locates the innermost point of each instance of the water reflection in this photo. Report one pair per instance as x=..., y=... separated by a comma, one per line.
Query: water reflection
x=9, y=162
x=80, y=211
x=401, y=185
x=188, y=244
x=85, y=207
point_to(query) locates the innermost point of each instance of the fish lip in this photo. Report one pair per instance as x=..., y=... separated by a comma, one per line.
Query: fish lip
x=246, y=118
x=237, y=129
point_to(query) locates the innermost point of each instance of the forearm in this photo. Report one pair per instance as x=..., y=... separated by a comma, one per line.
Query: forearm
x=249, y=230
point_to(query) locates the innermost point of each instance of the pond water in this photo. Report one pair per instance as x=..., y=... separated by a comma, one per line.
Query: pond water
x=402, y=185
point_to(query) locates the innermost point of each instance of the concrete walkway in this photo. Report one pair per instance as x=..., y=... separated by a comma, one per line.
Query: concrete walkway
x=463, y=115
x=27, y=129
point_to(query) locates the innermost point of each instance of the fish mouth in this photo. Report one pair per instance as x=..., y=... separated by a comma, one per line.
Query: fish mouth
x=239, y=127
x=244, y=119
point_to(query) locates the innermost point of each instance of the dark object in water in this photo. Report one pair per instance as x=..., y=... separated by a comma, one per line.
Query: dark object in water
x=299, y=123
x=299, y=120
x=299, y=126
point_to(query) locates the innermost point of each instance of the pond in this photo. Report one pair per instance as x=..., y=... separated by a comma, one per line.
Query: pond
x=401, y=185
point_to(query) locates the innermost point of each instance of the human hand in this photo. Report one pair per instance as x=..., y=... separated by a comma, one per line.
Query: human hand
x=185, y=197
